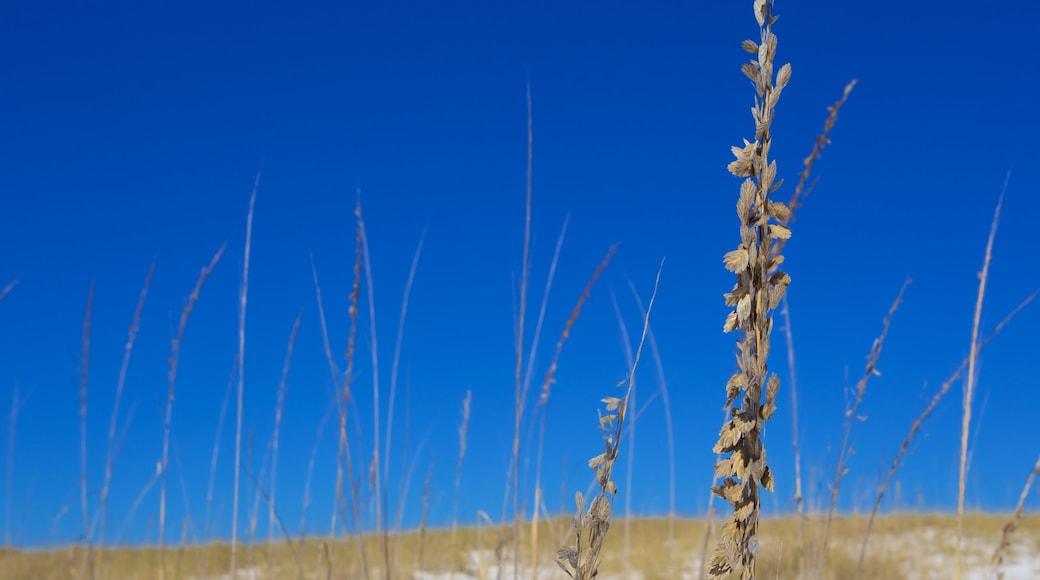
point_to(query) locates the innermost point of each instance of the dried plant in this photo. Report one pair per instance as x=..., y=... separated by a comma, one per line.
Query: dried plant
x=283, y=387
x=969, y=385
x=463, y=426
x=7, y=289
x=175, y=355
x=242, y=296
x=581, y=561
x=756, y=294
x=110, y=455
x=800, y=191
x=1012, y=525
x=84, y=373
x=916, y=426
x=852, y=417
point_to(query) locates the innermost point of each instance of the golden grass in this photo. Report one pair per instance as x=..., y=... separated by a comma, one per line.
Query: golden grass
x=908, y=546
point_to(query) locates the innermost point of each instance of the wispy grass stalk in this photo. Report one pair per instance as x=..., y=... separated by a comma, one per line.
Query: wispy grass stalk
x=581, y=561
x=463, y=427
x=525, y=273
x=759, y=287
x=283, y=388
x=626, y=346
x=84, y=376
x=397, y=356
x=17, y=401
x=110, y=455
x=207, y=525
x=242, y=302
x=852, y=418
x=802, y=189
x=175, y=355
x=7, y=289
x=550, y=374
x=916, y=426
x=1012, y=525
x=969, y=385
x=669, y=430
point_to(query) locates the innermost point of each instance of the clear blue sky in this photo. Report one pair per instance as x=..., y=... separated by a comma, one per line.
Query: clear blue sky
x=131, y=132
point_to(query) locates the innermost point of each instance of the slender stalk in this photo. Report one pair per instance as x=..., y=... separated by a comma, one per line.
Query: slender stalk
x=581, y=562
x=12, y=425
x=969, y=387
x=663, y=389
x=7, y=289
x=822, y=141
x=852, y=418
x=1012, y=525
x=310, y=472
x=175, y=355
x=525, y=273
x=463, y=426
x=397, y=356
x=279, y=408
x=916, y=425
x=243, y=295
x=756, y=294
x=626, y=346
x=215, y=454
x=84, y=372
x=114, y=421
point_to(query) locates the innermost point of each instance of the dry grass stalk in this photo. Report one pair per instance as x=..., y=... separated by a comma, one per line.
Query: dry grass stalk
x=1012, y=525
x=463, y=426
x=581, y=561
x=397, y=357
x=916, y=426
x=852, y=417
x=373, y=470
x=277, y=518
x=343, y=397
x=425, y=514
x=626, y=345
x=110, y=455
x=546, y=390
x=528, y=375
x=969, y=386
x=800, y=191
x=513, y=470
x=215, y=454
x=175, y=355
x=663, y=389
x=243, y=295
x=279, y=408
x=12, y=423
x=7, y=289
x=84, y=373
x=757, y=292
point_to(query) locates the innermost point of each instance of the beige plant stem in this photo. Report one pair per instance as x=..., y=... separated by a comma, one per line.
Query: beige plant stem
x=243, y=295
x=283, y=387
x=581, y=561
x=114, y=420
x=916, y=426
x=175, y=354
x=759, y=287
x=7, y=289
x=1012, y=525
x=84, y=373
x=800, y=191
x=852, y=418
x=463, y=426
x=969, y=385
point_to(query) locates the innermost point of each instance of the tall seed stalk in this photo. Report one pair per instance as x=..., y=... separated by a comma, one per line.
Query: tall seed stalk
x=754, y=297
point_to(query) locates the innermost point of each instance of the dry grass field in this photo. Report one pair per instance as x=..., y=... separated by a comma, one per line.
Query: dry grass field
x=739, y=542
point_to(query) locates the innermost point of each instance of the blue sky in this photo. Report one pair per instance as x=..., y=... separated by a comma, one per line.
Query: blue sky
x=133, y=132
